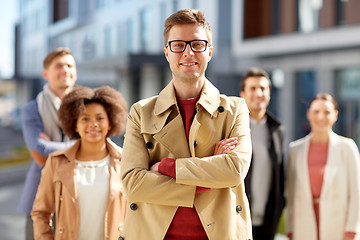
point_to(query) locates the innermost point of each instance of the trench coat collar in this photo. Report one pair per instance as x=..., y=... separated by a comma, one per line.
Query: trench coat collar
x=70, y=153
x=209, y=98
x=67, y=174
x=332, y=162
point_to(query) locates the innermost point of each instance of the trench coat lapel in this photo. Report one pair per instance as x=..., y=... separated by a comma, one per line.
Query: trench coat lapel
x=66, y=171
x=209, y=100
x=333, y=159
x=302, y=164
x=174, y=130
x=115, y=186
x=166, y=123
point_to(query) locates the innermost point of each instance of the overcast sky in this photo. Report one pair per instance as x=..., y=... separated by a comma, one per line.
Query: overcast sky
x=8, y=17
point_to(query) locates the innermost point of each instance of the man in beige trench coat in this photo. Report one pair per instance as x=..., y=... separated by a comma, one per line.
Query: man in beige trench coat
x=187, y=151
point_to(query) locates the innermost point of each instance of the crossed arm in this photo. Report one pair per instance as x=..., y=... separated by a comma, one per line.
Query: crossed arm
x=145, y=184
x=36, y=140
x=222, y=147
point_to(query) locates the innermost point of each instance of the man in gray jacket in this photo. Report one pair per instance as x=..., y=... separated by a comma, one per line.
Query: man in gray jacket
x=264, y=184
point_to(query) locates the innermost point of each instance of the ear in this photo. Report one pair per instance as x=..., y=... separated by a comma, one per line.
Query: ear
x=307, y=114
x=242, y=94
x=210, y=53
x=336, y=115
x=166, y=53
x=45, y=74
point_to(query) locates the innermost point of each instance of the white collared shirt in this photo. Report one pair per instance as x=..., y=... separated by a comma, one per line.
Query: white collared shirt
x=92, y=179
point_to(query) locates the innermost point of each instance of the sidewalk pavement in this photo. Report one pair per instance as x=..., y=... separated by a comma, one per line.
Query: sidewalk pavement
x=13, y=174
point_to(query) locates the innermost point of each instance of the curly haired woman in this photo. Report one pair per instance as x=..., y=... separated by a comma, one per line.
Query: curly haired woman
x=82, y=183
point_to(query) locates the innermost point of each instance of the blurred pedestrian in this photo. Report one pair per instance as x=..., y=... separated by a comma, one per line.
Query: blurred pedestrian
x=82, y=183
x=40, y=125
x=323, y=183
x=182, y=180
x=264, y=183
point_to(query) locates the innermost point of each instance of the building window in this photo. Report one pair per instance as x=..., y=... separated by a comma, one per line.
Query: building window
x=305, y=91
x=347, y=88
x=88, y=48
x=60, y=10
x=107, y=41
x=261, y=18
x=121, y=42
x=175, y=5
x=309, y=12
x=37, y=21
x=339, y=15
x=129, y=36
x=145, y=28
x=100, y=4
x=277, y=78
x=195, y=4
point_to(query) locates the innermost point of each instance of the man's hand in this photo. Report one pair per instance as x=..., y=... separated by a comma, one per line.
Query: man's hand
x=44, y=136
x=38, y=158
x=222, y=147
x=226, y=145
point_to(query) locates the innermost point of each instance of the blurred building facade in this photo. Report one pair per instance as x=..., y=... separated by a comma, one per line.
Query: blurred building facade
x=308, y=46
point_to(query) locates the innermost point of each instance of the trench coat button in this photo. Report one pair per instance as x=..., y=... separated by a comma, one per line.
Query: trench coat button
x=220, y=109
x=195, y=144
x=133, y=206
x=149, y=145
x=61, y=230
x=121, y=238
x=238, y=208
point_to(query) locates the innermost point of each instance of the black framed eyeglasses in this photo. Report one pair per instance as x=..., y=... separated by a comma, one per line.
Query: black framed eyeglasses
x=178, y=46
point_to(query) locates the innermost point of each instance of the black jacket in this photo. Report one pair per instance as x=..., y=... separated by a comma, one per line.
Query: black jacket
x=276, y=200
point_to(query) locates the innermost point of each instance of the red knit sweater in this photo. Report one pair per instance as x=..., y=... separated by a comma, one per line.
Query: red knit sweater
x=186, y=223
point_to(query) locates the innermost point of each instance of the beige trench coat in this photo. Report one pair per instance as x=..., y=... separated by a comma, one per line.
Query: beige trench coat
x=57, y=188
x=340, y=193
x=155, y=130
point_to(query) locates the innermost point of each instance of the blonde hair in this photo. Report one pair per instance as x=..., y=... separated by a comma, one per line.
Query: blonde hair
x=55, y=53
x=187, y=16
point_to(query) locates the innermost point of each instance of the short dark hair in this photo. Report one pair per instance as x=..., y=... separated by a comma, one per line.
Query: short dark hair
x=61, y=51
x=254, y=72
x=325, y=97
x=74, y=103
x=187, y=16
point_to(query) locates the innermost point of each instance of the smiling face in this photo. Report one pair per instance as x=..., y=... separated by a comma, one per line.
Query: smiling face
x=256, y=93
x=61, y=74
x=188, y=66
x=93, y=124
x=322, y=115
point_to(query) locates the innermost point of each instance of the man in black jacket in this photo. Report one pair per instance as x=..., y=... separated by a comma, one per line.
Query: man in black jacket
x=264, y=184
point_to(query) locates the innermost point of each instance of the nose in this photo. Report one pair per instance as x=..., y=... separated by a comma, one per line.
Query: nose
x=188, y=50
x=259, y=92
x=321, y=116
x=66, y=68
x=94, y=123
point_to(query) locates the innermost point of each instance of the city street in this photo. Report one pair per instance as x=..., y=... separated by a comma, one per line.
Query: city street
x=12, y=223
